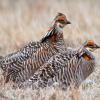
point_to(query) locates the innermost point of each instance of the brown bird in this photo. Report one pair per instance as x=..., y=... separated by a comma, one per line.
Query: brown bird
x=71, y=67
x=20, y=65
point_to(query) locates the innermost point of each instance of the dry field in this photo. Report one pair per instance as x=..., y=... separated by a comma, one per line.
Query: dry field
x=22, y=21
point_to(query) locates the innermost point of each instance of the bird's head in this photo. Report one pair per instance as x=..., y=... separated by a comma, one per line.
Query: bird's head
x=61, y=20
x=58, y=24
x=86, y=49
x=91, y=45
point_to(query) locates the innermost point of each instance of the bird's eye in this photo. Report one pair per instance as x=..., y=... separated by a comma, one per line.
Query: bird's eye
x=61, y=21
x=90, y=45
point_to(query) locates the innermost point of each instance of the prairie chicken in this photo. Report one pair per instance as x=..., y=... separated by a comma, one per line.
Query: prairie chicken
x=20, y=65
x=67, y=68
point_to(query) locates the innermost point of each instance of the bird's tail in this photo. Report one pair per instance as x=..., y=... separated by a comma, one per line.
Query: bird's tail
x=1, y=58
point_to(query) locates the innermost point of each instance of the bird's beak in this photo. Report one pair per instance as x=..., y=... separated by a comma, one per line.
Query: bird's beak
x=68, y=22
x=97, y=46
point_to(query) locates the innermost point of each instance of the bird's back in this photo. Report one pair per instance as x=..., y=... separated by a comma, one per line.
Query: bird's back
x=20, y=65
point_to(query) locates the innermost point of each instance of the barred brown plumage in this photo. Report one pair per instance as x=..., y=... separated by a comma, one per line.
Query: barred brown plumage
x=20, y=65
x=69, y=67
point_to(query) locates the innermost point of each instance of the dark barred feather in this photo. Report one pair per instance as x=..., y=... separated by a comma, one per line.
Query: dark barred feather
x=65, y=68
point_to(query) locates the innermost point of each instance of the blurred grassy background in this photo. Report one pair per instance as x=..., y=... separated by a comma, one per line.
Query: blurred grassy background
x=22, y=21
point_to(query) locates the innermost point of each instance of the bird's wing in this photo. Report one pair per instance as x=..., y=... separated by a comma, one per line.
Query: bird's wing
x=12, y=61
x=22, y=54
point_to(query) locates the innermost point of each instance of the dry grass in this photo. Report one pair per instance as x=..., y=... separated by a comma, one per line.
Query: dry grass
x=22, y=21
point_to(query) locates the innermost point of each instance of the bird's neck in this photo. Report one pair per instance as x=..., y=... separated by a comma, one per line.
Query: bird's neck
x=86, y=54
x=53, y=35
